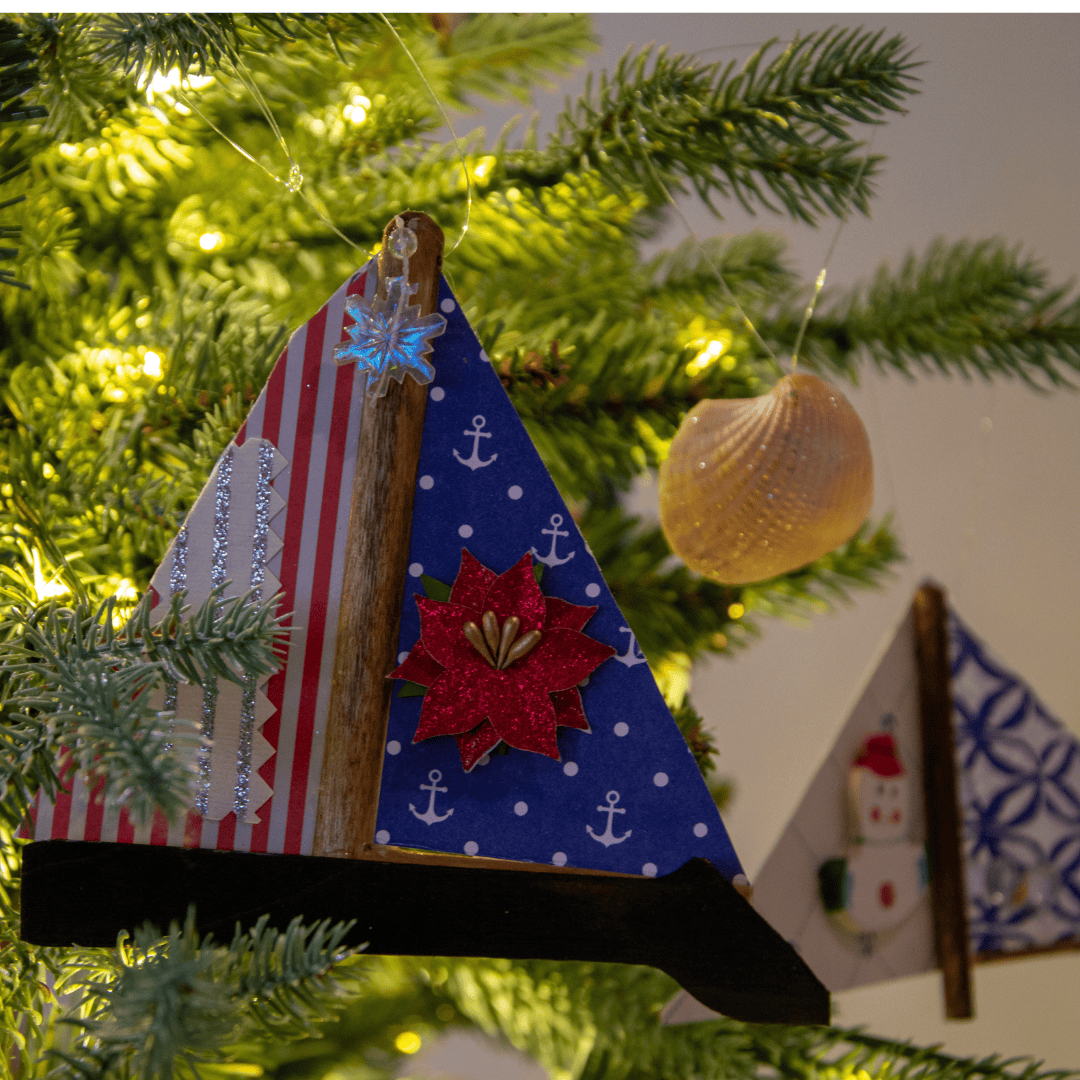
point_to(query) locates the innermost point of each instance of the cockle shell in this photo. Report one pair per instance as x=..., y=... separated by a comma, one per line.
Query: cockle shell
x=755, y=487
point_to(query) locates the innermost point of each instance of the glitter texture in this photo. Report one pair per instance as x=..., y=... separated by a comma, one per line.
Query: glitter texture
x=520, y=704
x=222, y=492
x=177, y=583
x=178, y=573
x=390, y=339
x=258, y=574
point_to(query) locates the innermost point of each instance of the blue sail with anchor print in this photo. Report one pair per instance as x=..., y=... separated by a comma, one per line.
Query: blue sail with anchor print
x=624, y=795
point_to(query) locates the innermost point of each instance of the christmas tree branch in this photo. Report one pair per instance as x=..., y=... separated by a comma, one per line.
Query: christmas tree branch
x=17, y=76
x=79, y=695
x=142, y=45
x=663, y=604
x=964, y=307
x=603, y=1022
x=504, y=55
x=173, y=1006
x=782, y=125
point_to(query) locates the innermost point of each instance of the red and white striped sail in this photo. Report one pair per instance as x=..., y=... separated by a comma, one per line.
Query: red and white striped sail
x=302, y=433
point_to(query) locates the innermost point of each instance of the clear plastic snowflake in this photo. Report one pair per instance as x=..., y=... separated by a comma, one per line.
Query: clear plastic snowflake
x=389, y=338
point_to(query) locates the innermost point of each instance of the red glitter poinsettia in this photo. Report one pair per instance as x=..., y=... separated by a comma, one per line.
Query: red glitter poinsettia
x=501, y=661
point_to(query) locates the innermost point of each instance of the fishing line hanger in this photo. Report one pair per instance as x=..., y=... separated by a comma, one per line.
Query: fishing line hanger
x=294, y=181
x=819, y=281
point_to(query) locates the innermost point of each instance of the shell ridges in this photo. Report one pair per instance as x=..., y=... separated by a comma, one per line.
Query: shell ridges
x=787, y=477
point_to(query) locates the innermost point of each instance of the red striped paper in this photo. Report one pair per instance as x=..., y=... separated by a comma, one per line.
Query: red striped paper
x=310, y=410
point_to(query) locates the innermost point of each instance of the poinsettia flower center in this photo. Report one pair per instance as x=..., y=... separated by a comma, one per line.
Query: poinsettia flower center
x=500, y=646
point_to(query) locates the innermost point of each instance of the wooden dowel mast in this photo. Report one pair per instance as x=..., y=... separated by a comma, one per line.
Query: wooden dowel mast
x=948, y=894
x=376, y=558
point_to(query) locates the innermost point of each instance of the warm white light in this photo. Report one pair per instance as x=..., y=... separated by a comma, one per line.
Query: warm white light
x=162, y=84
x=408, y=1042
x=210, y=241
x=709, y=355
x=356, y=110
x=126, y=590
x=152, y=365
x=45, y=590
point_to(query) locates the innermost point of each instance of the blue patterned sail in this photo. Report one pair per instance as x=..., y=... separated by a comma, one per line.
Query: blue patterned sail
x=622, y=792
x=1019, y=772
x=1018, y=784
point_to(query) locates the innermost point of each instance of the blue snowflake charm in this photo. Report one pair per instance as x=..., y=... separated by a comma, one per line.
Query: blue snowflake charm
x=389, y=338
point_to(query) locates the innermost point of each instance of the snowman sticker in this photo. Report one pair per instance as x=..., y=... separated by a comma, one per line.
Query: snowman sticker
x=879, y=882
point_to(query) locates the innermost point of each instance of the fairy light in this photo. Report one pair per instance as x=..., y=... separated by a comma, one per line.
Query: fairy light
x=163, y=83
x=125, y=596
x=211, y=241
x=483, y=167
x=408, y=1042
x=151, y=364
x=356, y=110
x=46, y=590
x=707, y=357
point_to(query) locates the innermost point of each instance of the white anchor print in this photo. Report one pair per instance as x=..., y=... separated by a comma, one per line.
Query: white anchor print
x=429, y=815
x=633, y=654
x=607, y=837
x=551, y=559
x=474, y=461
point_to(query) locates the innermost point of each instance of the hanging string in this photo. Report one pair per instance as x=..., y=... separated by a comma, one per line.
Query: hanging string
x=725, y=288
x=294, y=182
x=728, y=294
x=819, y=282
x=446, y=120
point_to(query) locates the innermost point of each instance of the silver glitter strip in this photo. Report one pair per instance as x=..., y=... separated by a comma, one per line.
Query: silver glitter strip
x=258, y=575
x=222, y=492
x=209, y=709
x=170, y=707
x=177, y=582
x=178, y=573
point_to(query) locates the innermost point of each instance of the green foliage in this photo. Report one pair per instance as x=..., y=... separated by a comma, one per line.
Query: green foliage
x=169, y=1007
x=778, y=129
x=164, y=270
x=664, y=603
x=143, y=45
x=963, y=307
x=78, y=694
x=604, y=1022
x=17, y=76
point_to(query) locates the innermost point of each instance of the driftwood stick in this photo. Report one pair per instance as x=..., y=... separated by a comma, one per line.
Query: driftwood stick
x=948, y=897
x=377, y=551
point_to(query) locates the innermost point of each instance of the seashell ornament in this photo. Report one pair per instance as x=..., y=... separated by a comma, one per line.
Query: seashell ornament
x=755, y=487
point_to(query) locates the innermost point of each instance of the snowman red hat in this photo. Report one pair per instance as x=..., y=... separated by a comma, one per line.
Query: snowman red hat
x=879, y=756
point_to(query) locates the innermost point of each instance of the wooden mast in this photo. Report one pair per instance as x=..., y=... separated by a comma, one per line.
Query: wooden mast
x=376, y=558
x=948, y=898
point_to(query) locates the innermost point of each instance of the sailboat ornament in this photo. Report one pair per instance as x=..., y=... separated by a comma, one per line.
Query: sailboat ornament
x=526, y=746
x=946, y=753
